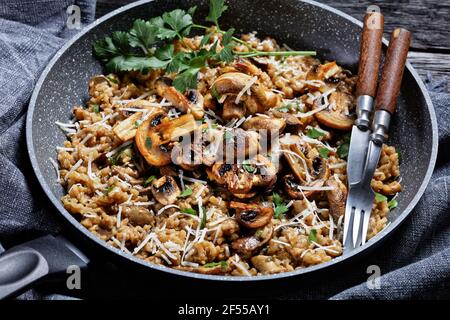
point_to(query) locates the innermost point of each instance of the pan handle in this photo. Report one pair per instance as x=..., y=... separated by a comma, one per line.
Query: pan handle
x=25, y=264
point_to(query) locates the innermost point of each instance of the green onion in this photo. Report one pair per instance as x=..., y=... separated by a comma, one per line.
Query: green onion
x=312, y=237
x=186, y=193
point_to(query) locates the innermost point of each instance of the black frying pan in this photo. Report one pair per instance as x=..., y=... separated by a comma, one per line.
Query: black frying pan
x=303, y=25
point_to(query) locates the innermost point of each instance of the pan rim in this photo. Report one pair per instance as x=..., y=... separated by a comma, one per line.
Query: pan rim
x=91, y=237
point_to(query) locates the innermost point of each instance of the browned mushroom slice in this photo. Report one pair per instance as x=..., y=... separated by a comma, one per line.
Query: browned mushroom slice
x=294, y=190
x=165, y=190
x=250, y=215
x=264, y=123
x=323, y=71
x=245, y=195
x=337, y=116
x=173, y=129
x=250, y=244
x=266, y=172
x=149, y=142
x=296, y=159
x=196, y=103
x=192, y=102
x=126, y=130
x=289, y=118
x=267, y=98
x=95, y=81
x=239, y=182
x=231, y=110
x=231, y=82
x=219, y=171
x=137, y=215
x=336, y=197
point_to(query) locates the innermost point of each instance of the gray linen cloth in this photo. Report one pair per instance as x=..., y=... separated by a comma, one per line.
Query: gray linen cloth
x=415, y=263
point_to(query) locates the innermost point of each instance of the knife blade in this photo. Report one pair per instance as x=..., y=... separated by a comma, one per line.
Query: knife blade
x=386, y=102
x=369, y=63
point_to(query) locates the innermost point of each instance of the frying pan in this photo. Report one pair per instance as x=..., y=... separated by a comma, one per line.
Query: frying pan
x=302, y=25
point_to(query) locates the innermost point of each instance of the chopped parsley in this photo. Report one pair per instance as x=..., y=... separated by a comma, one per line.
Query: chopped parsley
x=379, y=197
x=343, y=148
x=312, y=237
x=222, y=264
x=392, y=204
x=314, y=133
x=228, y=136
x=148, y=143
x=96, y=108
x=280, y=206
x=189, y=211
x=203, y=223
x=324, y=153
x=248, y=167
x=186, y=193
x=109, y=189
x=149, y=180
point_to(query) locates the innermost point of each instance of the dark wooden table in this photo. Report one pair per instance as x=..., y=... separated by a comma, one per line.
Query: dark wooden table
x=427, y=19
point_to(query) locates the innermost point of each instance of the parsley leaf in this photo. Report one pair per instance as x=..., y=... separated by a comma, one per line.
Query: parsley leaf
x=216, y=8
x=148, y=143
x=248, y=167
x=108, y=190
x=143, y=34
x=379, y=197
x=203, y=224
x=392, y=204
x=186, y=80
x=312, y=237
x=280, y=206
x=149, y=180
x=96, y=108
x=314, y=133
x=222, y=264
x=189, y=211
x=179, y=21
x=343, y=148
x=324, y=153
x=228, y=136
x=186, y=193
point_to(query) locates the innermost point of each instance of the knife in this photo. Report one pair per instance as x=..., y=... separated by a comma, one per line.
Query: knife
x=369, y=64
x=386, y=102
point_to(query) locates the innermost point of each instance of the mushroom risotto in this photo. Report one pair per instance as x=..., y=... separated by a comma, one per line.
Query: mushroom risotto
x=213, y=153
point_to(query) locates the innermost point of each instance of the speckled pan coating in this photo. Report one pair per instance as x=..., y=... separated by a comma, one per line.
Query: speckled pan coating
x=303, y=25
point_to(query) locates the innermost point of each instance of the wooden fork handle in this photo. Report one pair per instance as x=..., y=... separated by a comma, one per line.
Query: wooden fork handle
x=370, y=54
x=394, y=65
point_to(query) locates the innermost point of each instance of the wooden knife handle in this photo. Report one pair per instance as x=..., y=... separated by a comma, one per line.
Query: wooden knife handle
x=394, y=65
x=370, y=54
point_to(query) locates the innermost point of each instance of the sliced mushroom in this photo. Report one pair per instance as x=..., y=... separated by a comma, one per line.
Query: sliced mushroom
x=336, y=197
x=250, y=244
x=149, y=141
x=218, y=172
x=264, y=123
x=323, y=71
x=266, y=172
x=338, y=115
x=250, y=215
x=294, y=190
x=165, y=190
x=137, y=215
x=192, y=102
x=231, y=110
x=267, y=98
x=178, y=127
x=96, y=80
x=126, y=130
x=231, y=82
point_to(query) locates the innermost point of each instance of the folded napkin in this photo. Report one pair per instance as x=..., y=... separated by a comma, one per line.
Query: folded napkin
x=414, y=263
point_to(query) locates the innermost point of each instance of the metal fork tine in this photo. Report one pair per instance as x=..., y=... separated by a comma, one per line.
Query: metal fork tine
x=347, y=219
x=365, y=225
x=356, y=227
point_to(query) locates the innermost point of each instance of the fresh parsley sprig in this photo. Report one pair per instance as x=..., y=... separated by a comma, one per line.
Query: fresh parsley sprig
x=148, y=45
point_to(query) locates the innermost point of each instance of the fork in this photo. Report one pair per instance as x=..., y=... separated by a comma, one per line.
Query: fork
x=361, y=196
